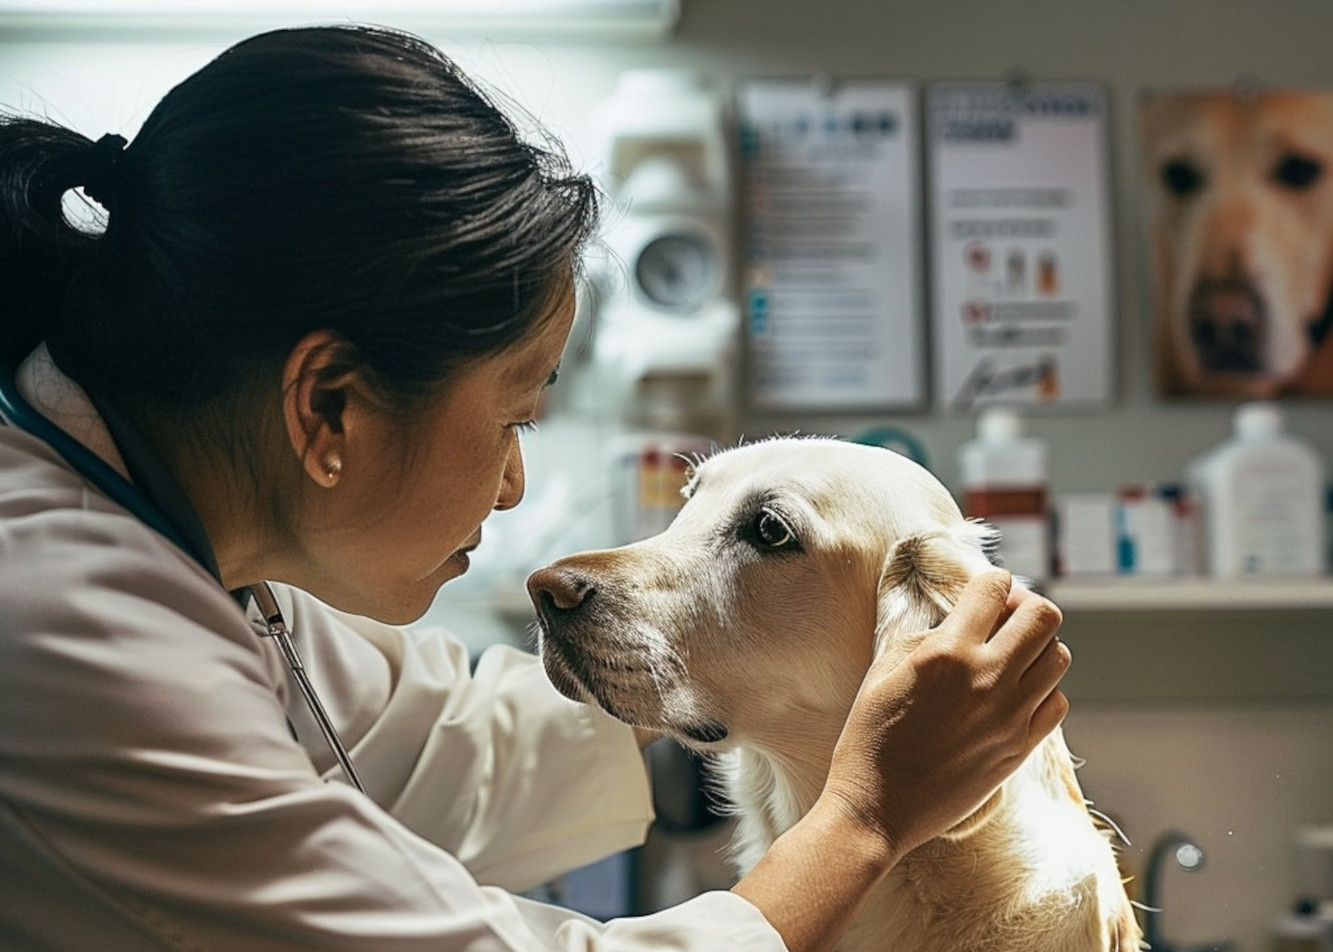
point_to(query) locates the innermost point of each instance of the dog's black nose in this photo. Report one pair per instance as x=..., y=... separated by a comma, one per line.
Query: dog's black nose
x=1228, y=326
x=561, y=589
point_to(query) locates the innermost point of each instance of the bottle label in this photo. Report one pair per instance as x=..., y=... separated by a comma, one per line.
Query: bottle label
x=1274, y=529
x=984, y=503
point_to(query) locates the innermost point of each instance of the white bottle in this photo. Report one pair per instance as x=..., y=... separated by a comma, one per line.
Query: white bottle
x=1006, y=483
x=1261, y=497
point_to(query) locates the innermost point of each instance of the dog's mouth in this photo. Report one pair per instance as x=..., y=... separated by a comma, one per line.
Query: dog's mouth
x=620, y=686
x=561, y=672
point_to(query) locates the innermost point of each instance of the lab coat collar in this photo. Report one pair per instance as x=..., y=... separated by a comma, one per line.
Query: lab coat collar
x=104, y=430
x=63, y=402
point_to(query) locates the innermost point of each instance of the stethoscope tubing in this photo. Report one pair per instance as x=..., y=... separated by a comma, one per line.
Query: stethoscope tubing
x=278, y=631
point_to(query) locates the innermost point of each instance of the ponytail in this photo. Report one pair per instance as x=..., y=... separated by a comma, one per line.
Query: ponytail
x=349, y=179
x=40, y=250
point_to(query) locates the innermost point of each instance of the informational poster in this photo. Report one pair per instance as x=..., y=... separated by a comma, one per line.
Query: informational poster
x=1239, y=202
x=831, y=214
x=1020, y=243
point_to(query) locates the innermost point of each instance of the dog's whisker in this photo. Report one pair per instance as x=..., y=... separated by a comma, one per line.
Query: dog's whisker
x=1098, y=814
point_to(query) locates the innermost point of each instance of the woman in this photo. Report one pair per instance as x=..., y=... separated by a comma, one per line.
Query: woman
x=332, y=286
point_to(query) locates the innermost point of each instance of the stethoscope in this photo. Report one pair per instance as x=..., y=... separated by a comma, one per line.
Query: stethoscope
x=16, y=411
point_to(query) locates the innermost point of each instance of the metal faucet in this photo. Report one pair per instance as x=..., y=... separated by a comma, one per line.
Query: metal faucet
x=1189, y=857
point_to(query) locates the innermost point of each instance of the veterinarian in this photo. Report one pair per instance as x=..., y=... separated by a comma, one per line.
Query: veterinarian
x=332, y=287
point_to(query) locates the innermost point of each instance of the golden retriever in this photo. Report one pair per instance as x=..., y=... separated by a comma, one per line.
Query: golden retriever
x=1240, y=208
x=745, y=629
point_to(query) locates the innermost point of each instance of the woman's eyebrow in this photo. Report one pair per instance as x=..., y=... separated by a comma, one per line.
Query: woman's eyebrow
x=555, y=375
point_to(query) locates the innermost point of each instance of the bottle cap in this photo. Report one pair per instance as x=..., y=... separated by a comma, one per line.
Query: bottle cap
x=999, y=425
x=1258, y=420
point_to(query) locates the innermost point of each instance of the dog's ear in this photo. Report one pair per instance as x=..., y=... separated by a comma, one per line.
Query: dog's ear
x=922, y=578
x=924, y=574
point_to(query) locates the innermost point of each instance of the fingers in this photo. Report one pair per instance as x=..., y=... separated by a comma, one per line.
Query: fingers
x=1040, y=659
x=1047, y=717
x=1039, y=684
x=1028, y=631
x=1047, y=668
x=1018, y=594
x=981, y=607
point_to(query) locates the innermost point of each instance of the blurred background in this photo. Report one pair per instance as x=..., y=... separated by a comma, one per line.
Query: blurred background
x=784, y=252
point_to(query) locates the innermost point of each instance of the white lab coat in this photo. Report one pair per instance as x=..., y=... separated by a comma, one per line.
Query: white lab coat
x=152, y=796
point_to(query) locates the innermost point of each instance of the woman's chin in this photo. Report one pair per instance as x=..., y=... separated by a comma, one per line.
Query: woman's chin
x=398, y=604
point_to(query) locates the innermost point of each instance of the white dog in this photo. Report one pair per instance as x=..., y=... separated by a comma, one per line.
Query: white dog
x=745, y=630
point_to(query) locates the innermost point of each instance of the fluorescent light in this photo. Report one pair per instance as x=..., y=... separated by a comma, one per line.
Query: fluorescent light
x=565, y=18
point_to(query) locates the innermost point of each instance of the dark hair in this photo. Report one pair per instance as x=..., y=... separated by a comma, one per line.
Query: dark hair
x=341, y=178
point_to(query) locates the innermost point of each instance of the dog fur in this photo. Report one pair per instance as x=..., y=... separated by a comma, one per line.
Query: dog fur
x=1239, y=196
x=753, y=653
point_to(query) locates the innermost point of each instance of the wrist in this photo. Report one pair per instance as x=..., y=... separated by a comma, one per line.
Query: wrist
x=817, y=874
x=836, y=819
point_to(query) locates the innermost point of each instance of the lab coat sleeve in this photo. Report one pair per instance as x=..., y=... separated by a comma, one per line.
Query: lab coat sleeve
x=152, y=797
x=518, y=782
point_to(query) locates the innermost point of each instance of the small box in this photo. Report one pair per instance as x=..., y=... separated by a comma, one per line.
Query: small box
x=1145, y=534
x=1085, y=534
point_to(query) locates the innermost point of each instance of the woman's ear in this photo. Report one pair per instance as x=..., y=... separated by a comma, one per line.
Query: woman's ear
x=316, y=383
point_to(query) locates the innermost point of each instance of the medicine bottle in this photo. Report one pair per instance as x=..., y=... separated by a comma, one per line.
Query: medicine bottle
x=1006, y=482
x=1261, y=499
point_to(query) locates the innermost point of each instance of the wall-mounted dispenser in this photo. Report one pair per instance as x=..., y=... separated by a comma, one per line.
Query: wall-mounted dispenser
x=668, y=321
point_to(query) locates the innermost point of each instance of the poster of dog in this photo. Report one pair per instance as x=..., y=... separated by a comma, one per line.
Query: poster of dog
x=1239, y=208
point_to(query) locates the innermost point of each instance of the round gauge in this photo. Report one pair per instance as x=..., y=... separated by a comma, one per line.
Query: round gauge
x=677, y=271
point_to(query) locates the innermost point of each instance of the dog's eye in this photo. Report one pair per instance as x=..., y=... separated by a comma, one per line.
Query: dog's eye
x=772, y=532
x=1181, y=177
x=1297, y=171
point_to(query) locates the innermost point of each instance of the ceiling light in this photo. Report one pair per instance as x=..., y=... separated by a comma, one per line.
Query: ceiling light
x=571, y=19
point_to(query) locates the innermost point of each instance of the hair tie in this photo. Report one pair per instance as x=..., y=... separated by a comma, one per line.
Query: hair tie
x=99, y=177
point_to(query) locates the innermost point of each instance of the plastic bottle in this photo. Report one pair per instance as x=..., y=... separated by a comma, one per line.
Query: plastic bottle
x=1261, y=499
x=1006, y=482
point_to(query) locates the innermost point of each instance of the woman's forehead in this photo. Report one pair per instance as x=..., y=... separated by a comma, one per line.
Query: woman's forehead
x=537, y=354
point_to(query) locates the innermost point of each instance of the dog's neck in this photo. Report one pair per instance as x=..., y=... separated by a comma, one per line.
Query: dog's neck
x=771, y=795
x=927, y=885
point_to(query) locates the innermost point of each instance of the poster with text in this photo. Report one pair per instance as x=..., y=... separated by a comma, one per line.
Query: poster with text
x=1238, y=193
x=1020, y=243
x=831, y=228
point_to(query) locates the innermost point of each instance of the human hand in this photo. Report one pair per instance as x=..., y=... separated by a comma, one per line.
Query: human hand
x=931, y=735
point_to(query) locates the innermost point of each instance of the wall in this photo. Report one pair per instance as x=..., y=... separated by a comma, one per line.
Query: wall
x=1131, y=45
x=1186, y=719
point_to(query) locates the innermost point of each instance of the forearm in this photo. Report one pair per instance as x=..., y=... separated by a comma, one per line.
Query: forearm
x=815, y=876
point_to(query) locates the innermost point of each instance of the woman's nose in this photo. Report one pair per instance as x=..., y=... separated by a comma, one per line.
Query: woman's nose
x=513, y=482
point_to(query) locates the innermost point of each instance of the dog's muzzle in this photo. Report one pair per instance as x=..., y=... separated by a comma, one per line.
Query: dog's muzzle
x=559, y=597
x=590, y=654
x=1228, y=325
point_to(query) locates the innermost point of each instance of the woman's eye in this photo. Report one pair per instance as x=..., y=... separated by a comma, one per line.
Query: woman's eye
x=771, y=531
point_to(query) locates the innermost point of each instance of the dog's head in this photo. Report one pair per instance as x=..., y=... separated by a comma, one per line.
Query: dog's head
x=1240, y=204
x=758, y=611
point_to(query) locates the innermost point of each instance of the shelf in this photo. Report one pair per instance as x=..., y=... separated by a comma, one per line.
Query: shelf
x=1107, y=595
x=1190, y=594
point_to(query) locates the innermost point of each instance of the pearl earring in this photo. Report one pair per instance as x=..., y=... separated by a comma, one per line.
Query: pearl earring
x=333, y=467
